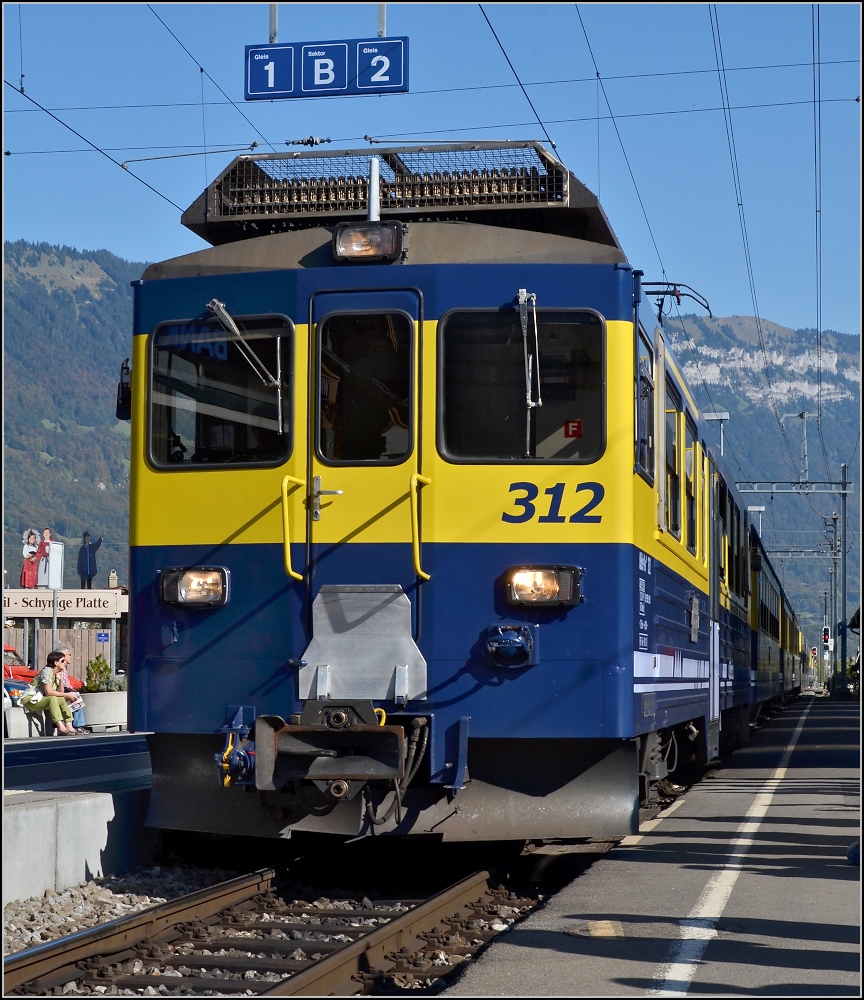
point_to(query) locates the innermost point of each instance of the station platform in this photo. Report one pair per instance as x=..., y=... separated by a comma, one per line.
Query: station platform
x=73, y=810
x=741, y=888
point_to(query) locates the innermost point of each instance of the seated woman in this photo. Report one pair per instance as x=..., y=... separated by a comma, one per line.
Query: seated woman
x=50, y=695
x=75, y=706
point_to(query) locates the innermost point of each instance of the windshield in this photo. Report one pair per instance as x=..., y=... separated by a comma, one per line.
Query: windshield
x=495, y=405
x=209, y=405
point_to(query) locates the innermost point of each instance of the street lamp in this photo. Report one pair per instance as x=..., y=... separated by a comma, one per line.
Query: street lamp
x=756, y=510
x=721, y=417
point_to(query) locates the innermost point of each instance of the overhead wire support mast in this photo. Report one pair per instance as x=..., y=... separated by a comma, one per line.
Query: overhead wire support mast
x=763, y=486
x=799, y=553
x=843, y=488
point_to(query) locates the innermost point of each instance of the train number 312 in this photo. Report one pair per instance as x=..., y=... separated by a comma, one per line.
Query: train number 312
x=556, y=494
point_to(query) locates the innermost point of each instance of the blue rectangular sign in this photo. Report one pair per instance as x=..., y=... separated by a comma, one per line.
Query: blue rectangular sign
x=103, y=636
x=321, y=69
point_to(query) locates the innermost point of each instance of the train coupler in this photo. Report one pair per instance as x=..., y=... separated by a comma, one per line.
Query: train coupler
x=236, y=762
x=336, y=743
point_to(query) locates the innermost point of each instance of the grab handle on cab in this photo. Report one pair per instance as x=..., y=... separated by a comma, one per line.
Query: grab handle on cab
x=287, y=483
x=416, y=481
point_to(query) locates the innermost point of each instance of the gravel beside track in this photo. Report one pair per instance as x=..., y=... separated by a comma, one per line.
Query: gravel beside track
x=39, y=919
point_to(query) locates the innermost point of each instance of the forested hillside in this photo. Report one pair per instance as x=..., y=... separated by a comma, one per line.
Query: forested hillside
x=68, y=326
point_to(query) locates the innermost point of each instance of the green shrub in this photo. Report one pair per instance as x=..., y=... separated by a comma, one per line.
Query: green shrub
x=98, y=675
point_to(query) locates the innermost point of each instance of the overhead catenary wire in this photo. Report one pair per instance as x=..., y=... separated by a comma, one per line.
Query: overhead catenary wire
x=599, y=80
x=620, y=142
x=426, y=133
x=817, y=199
x=513, y=69
x=218, y=148
x=20, y=52
x=98, y=149
x=642, y=205
x=210, y=78
x=204, y=128
x=742, y=221
x=459, y=90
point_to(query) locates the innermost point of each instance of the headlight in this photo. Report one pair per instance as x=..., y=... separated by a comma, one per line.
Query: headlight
x=368, y=241
x=543, y=585
x=196, y=586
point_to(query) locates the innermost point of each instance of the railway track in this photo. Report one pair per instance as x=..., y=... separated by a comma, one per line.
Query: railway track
x=251, y=935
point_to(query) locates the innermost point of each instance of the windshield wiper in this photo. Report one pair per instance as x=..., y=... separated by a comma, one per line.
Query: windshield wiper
x=530, y=403
x=255, y=363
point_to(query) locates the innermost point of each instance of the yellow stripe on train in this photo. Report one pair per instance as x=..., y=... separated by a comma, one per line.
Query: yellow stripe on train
x=519, y=503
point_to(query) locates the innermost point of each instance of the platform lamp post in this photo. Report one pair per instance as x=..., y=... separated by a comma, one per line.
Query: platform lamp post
x=721, y=417
x=756, y=510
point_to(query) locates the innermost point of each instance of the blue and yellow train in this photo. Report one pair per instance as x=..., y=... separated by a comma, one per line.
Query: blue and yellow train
x=425, y=535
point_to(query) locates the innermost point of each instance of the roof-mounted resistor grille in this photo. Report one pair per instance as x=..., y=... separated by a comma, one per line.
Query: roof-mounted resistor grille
x=293, y=184
x=316, y=188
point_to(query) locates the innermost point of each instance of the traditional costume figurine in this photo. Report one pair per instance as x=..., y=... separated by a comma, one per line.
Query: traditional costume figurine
x=30, y=569
x=42, y=554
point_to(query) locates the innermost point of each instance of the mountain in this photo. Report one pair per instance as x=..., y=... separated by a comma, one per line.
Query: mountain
x=68, y=322
x=68, y=326
x=766, y=376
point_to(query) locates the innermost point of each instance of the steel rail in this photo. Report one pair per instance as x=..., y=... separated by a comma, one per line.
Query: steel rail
x=342, y=973
x=55, y=963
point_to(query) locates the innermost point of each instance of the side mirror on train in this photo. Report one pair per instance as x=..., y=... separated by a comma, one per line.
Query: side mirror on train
x=124, y=393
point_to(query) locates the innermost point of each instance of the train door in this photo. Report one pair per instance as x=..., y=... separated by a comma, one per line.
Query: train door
x=363, y=462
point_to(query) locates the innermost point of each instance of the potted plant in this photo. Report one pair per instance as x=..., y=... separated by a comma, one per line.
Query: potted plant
x=104, y=696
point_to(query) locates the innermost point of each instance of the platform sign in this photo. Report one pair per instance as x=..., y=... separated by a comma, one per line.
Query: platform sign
x=269, y=72
x=324, y=68
x=321, y=69
x=39, y=603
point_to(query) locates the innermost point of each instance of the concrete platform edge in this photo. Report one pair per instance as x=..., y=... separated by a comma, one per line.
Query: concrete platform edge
x=56, y=840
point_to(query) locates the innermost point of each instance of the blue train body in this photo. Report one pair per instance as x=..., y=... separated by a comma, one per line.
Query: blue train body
x=427, y=540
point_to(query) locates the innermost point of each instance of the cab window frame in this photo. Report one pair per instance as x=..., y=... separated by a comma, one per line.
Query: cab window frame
x=440, y=429
x=316, y=395
x=646, y=431
x=288, y=338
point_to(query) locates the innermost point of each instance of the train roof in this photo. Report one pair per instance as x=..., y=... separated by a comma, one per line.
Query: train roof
x=514, y=185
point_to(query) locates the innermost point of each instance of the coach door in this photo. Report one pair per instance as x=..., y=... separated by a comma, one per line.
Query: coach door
x=364, y=429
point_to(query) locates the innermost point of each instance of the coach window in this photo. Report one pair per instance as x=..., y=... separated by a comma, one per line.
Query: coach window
x=214, y=401
x=723, y=516
x=364, y=388
x=673, y=475
x=493, y=381
x=734, y=547
x=690, y=482
x=740, y=536
x=644, y=409
x=703, y=502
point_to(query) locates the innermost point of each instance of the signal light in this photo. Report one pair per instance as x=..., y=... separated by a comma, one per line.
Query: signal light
x=826, y=636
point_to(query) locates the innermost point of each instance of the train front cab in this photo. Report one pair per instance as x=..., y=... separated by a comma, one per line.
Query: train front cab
x=419, y=550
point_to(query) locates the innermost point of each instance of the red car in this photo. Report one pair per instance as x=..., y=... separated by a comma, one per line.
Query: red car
x=14, y=668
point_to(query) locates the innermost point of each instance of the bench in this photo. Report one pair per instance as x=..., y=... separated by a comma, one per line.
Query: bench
x=39, y=723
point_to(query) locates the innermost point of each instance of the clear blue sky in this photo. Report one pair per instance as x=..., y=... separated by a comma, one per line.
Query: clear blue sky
x=115, y=74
